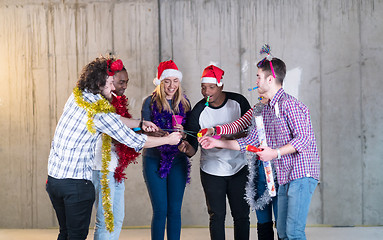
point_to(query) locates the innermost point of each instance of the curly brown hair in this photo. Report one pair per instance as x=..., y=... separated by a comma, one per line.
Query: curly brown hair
x=93, y=76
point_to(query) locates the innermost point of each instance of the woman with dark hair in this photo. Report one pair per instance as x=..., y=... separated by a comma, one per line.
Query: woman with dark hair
x=165, y=168
x=87, y=114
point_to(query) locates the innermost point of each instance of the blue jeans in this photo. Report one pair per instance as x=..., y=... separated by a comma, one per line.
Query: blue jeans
x=117, y=201
x=216, y=190
x=293, y=206
x=166, y=195
x=266, y=214
x=72, y=200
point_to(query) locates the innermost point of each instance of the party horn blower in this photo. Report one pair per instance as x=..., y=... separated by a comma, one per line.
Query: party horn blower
x=251, y=89
x=202, y=132
x=252, y=148
x=207, y=102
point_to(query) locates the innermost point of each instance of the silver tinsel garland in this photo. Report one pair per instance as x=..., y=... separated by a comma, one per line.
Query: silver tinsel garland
x=256, y=202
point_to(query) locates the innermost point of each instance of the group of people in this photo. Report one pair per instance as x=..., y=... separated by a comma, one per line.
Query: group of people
x=96, y=139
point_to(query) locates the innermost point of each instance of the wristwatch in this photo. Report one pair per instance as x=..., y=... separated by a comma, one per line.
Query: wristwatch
x=214, y=131
x=279, y=154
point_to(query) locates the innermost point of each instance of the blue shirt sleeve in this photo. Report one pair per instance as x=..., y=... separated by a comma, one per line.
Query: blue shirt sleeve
x=145, y=111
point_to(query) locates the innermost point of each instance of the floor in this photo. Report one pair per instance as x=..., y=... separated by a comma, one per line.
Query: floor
x=313, y=233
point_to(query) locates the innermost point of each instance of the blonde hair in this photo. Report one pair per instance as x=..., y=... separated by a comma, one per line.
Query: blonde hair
x=159, y=96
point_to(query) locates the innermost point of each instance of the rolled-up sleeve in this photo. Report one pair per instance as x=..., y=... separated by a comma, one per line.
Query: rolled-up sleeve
x=251, y=139
x=111, y=124
x=299, y=122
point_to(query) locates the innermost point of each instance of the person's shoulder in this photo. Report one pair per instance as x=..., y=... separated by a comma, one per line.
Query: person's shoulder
x=199, y=106
x=239, y=98
x=148, y=98
x=146, y=103
x=285, y=97
x=90, y=97
x=234, y=95
x=290, y=101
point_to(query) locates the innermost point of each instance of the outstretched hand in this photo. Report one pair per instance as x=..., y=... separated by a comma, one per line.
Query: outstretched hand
x=208, y=142
x=148, y=126
x=174, y=138
x=205, y=132
x=180, y=128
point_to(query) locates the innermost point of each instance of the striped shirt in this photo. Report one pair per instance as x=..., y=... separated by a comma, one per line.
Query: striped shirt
x=287, y=120
x=73, y=146
x=236, y=126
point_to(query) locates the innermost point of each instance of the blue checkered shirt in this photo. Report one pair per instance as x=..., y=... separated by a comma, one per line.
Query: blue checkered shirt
x=73, y=146
x=293, y=125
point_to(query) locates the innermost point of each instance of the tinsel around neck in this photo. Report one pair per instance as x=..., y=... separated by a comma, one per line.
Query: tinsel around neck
x=163, y=120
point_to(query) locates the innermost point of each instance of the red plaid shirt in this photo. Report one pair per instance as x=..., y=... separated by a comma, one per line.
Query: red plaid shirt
x=292, y=125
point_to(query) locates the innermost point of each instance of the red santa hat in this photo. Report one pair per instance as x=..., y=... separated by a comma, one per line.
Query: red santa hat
x=212, y=74
x=167, y=69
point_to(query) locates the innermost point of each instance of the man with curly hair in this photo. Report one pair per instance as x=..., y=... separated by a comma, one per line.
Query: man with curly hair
x=86, y=115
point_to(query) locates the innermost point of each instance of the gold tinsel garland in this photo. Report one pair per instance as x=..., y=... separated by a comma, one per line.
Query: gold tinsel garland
x=108, y=214
x=100, y=106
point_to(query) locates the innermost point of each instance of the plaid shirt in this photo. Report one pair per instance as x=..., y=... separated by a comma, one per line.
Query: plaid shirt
x=293, y=125
x=73, y=146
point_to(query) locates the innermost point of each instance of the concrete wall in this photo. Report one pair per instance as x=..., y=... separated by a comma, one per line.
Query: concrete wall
x=333, y=53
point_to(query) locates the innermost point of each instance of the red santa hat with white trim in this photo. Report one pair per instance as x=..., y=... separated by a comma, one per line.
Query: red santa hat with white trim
x=167, y=69
x=212, y=74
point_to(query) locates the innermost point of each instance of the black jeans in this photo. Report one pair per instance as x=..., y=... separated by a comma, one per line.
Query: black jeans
x=216, y=189
x=72, y=200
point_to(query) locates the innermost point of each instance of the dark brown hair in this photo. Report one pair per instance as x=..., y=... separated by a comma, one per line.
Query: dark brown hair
x=93, y=75
x=278, y=65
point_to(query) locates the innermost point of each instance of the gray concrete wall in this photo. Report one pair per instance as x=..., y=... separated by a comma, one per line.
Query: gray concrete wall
x=333, y=51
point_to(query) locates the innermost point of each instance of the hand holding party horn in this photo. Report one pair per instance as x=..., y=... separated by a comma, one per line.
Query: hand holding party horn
x=253, y=149
x=202, y=132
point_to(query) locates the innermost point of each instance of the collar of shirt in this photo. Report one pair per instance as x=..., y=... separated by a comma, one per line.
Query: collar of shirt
x=90, y=97
x=276, y=97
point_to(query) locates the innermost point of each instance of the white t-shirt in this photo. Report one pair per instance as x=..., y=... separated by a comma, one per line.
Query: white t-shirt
x=97, y=162
x=219, y=162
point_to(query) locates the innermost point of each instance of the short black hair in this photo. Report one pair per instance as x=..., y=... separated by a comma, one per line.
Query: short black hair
x=278, y=65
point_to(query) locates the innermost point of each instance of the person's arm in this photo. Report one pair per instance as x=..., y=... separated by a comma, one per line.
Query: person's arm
x=268, y=154
x=131, y=123
x=230, y=128
x=111, y=124
x=146, y=117
x=171, y=139
x=146, y=126
x=236, y=126
x=186, y=148
x=209, y=143
x=298, y=120
x=192, y=125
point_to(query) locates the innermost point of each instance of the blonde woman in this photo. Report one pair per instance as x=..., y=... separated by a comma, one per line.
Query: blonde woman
x=166, y=169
